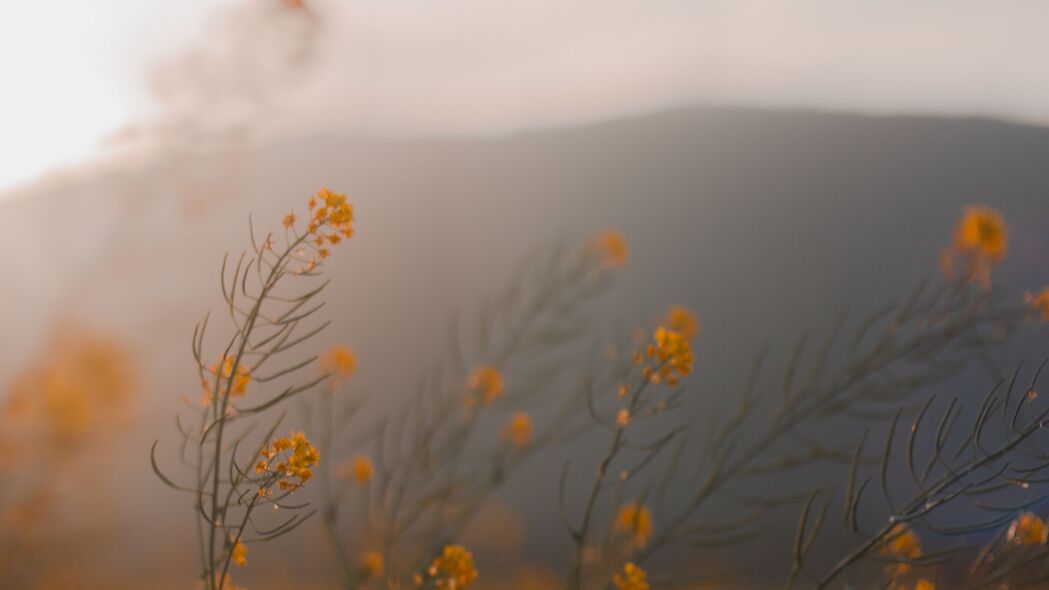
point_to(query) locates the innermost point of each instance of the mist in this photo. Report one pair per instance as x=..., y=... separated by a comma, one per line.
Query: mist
x=479, y=145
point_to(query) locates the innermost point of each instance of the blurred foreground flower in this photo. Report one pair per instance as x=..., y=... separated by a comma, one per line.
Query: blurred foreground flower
x=632, y=578
x=904, y=545
x=981, y=240
x=371, y=564
x=1027, y=529
x=339, y=362
x=359, y=470
x=635, y=520
x=453, y=569
x=486, y=381
x=1039, y=302
x=682, y=320
x=518, y=430
x=611, y=248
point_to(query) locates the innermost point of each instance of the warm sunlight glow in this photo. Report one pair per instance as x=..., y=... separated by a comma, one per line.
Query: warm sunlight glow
x=72, y=74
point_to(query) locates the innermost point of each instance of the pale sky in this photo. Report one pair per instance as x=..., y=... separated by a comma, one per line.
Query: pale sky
x=77, y=72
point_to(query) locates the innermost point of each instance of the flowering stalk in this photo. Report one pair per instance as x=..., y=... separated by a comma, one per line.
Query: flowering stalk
x=263, y=330
x=671, y=353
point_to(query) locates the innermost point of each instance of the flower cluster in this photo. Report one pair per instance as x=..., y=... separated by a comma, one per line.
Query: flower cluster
x=902, y=545
x=518, y=430
x=372, y=564
x=330, y=209
x=981, y=240
x=669, y=353
x=485, y=381
x=339, y=362
x=681, y=319
x=288, y=458
x=330, y=222
x=635, y=521
x=1039, y=302
x=238, y=383
x=611, y=249
x=239, y=554
x=982, y=230
x=632, y=578
x=453, y=569
x=674, y=353
x=1028, y=529
x=359, y=470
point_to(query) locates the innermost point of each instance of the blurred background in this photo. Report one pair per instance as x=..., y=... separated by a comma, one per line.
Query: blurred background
x=770, y=164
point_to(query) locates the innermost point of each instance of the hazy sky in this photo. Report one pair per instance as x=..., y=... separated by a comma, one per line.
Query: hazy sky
x=75, y=72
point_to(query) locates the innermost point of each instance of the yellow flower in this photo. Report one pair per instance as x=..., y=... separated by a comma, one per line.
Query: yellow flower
x=518, y=430
x=982, y=230
x=632, y=578
x=612, y=249
x=333, y=212
x=623, y=417
x=239, y=554
x=488, y=381
x=372, y=564
x=981, y=240
x=903, y=544
x=682, y=320
x=1028, y=529
x=240, y=382
x=635, y=520
x=288, y=458
x=1039, y=302
x=674, y=353
x=339, y=362
x=290, y=219
x=923, y=584
x=453, y=569
x=362, y=470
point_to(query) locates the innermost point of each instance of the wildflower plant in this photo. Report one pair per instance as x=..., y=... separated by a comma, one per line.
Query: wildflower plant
x=398, y=491
x=272, y=299
x=497, y=399
x=984, y=462
x=885, y=367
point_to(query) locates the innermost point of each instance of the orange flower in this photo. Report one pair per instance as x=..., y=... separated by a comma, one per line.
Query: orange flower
x=333, y=212
x=982, y=230
x=359, y=470
x=339, y=362
x=518, y=430
x=1027, y=529
x=488, y=381
x=612, y=249
x=453, y=569
x=635, y=520
x=287, y=458
x=673, y=351
x=632, y=578
x=902, y=544
x=372, y=564
x=981, y=240
x=240, y=382
x=1039, y=302
x=239, y=554
x=681, y=319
